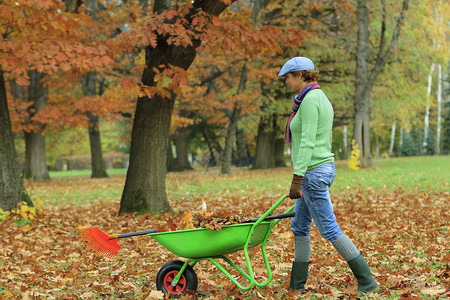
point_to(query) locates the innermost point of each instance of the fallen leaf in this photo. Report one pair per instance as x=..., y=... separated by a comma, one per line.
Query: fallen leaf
x=155, y=295
x=436, y=290
x=9, y=294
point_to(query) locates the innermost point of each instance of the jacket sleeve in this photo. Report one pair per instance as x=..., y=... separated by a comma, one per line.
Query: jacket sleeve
x=309, y=115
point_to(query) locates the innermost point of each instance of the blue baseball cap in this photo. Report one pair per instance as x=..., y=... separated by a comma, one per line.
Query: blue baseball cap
x=296, y=64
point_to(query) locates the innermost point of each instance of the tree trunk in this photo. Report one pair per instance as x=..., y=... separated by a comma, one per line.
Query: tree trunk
x=170, y=158
x=279, y=153
x=145, y=189
x=439, y=101
x=269, y=148
x=180, y=141
x=362, y=135
x=97, y=162
x=231, y=133
x=263, y=151
x=345, y=144
x=427, y=110
x=362, y=103
x=35, y=156
x=400, y=142
x=89, y=83
x=11, y=185
x=445, y=148
x=232, y=127
x=241, y=147
x=365, y=80
x=213, y=160
x=35, y=164
x=264, y=145
x=391, y=145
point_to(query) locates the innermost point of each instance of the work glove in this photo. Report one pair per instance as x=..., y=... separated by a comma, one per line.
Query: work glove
x=296, y=187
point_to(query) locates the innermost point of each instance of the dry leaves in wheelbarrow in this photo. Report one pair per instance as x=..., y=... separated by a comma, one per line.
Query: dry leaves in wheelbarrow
x=213, y=221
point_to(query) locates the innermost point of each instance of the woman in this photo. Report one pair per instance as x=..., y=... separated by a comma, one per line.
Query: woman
x=309, y=130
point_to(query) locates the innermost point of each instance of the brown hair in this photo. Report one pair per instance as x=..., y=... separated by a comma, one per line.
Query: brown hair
x=308, y=75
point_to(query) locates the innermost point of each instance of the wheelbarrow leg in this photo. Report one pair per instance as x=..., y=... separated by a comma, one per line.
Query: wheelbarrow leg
x=227, y=274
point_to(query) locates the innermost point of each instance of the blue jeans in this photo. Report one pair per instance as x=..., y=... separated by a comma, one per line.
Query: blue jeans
x=315, y=204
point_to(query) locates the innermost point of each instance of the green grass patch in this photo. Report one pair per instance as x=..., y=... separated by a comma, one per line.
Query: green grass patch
x=84, y=173
x=428, y=174
x=425, y=173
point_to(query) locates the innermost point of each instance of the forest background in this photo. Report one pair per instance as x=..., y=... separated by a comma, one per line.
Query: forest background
x=408, y=115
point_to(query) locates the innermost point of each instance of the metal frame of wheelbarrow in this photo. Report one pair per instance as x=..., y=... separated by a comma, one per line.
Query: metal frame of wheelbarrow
x=250, y=275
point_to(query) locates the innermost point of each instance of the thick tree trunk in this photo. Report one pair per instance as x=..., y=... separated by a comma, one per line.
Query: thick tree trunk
x=145, y=189
x=241, y=147
x=231, y=133
x=263, y=151
x=180, y=142
x=269, y=148
x=264, y=146
x=11, y=185
x=279, y=153
x=35, y=164
x=89, y=83
x=35, y=155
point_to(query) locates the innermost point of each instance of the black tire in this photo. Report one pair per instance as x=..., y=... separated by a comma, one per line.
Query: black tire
x=167, y=273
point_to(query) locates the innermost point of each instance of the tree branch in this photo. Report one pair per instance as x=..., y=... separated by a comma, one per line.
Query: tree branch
x=382, y=58
x=383, y=27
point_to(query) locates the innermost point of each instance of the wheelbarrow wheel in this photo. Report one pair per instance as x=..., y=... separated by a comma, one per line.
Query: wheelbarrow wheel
x=167, y=273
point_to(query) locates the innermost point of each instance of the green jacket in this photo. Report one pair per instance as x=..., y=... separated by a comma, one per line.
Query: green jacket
x=311, y=130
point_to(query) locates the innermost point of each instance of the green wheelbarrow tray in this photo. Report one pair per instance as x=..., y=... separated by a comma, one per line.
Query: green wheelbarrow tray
x=204, y=244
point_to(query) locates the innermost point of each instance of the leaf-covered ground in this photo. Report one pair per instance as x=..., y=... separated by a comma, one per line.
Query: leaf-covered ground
x=403, y=233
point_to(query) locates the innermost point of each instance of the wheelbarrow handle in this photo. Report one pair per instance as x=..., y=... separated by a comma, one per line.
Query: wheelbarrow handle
x=275, y=217
x=136, y=233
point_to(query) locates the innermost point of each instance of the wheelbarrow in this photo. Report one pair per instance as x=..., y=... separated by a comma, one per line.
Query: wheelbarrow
x=175, y=277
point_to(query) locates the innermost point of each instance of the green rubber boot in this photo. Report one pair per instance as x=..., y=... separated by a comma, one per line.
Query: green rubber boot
x=299, y=275
x=361, y=270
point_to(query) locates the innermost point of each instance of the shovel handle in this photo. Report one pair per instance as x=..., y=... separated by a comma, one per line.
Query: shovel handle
x=275, y=217
x=135, y=233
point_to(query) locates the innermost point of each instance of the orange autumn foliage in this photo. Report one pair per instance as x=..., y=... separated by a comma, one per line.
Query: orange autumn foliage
x=45, y=36
x=40, y=35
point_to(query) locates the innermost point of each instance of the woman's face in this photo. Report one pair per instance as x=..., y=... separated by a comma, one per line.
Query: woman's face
x=294, y=82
